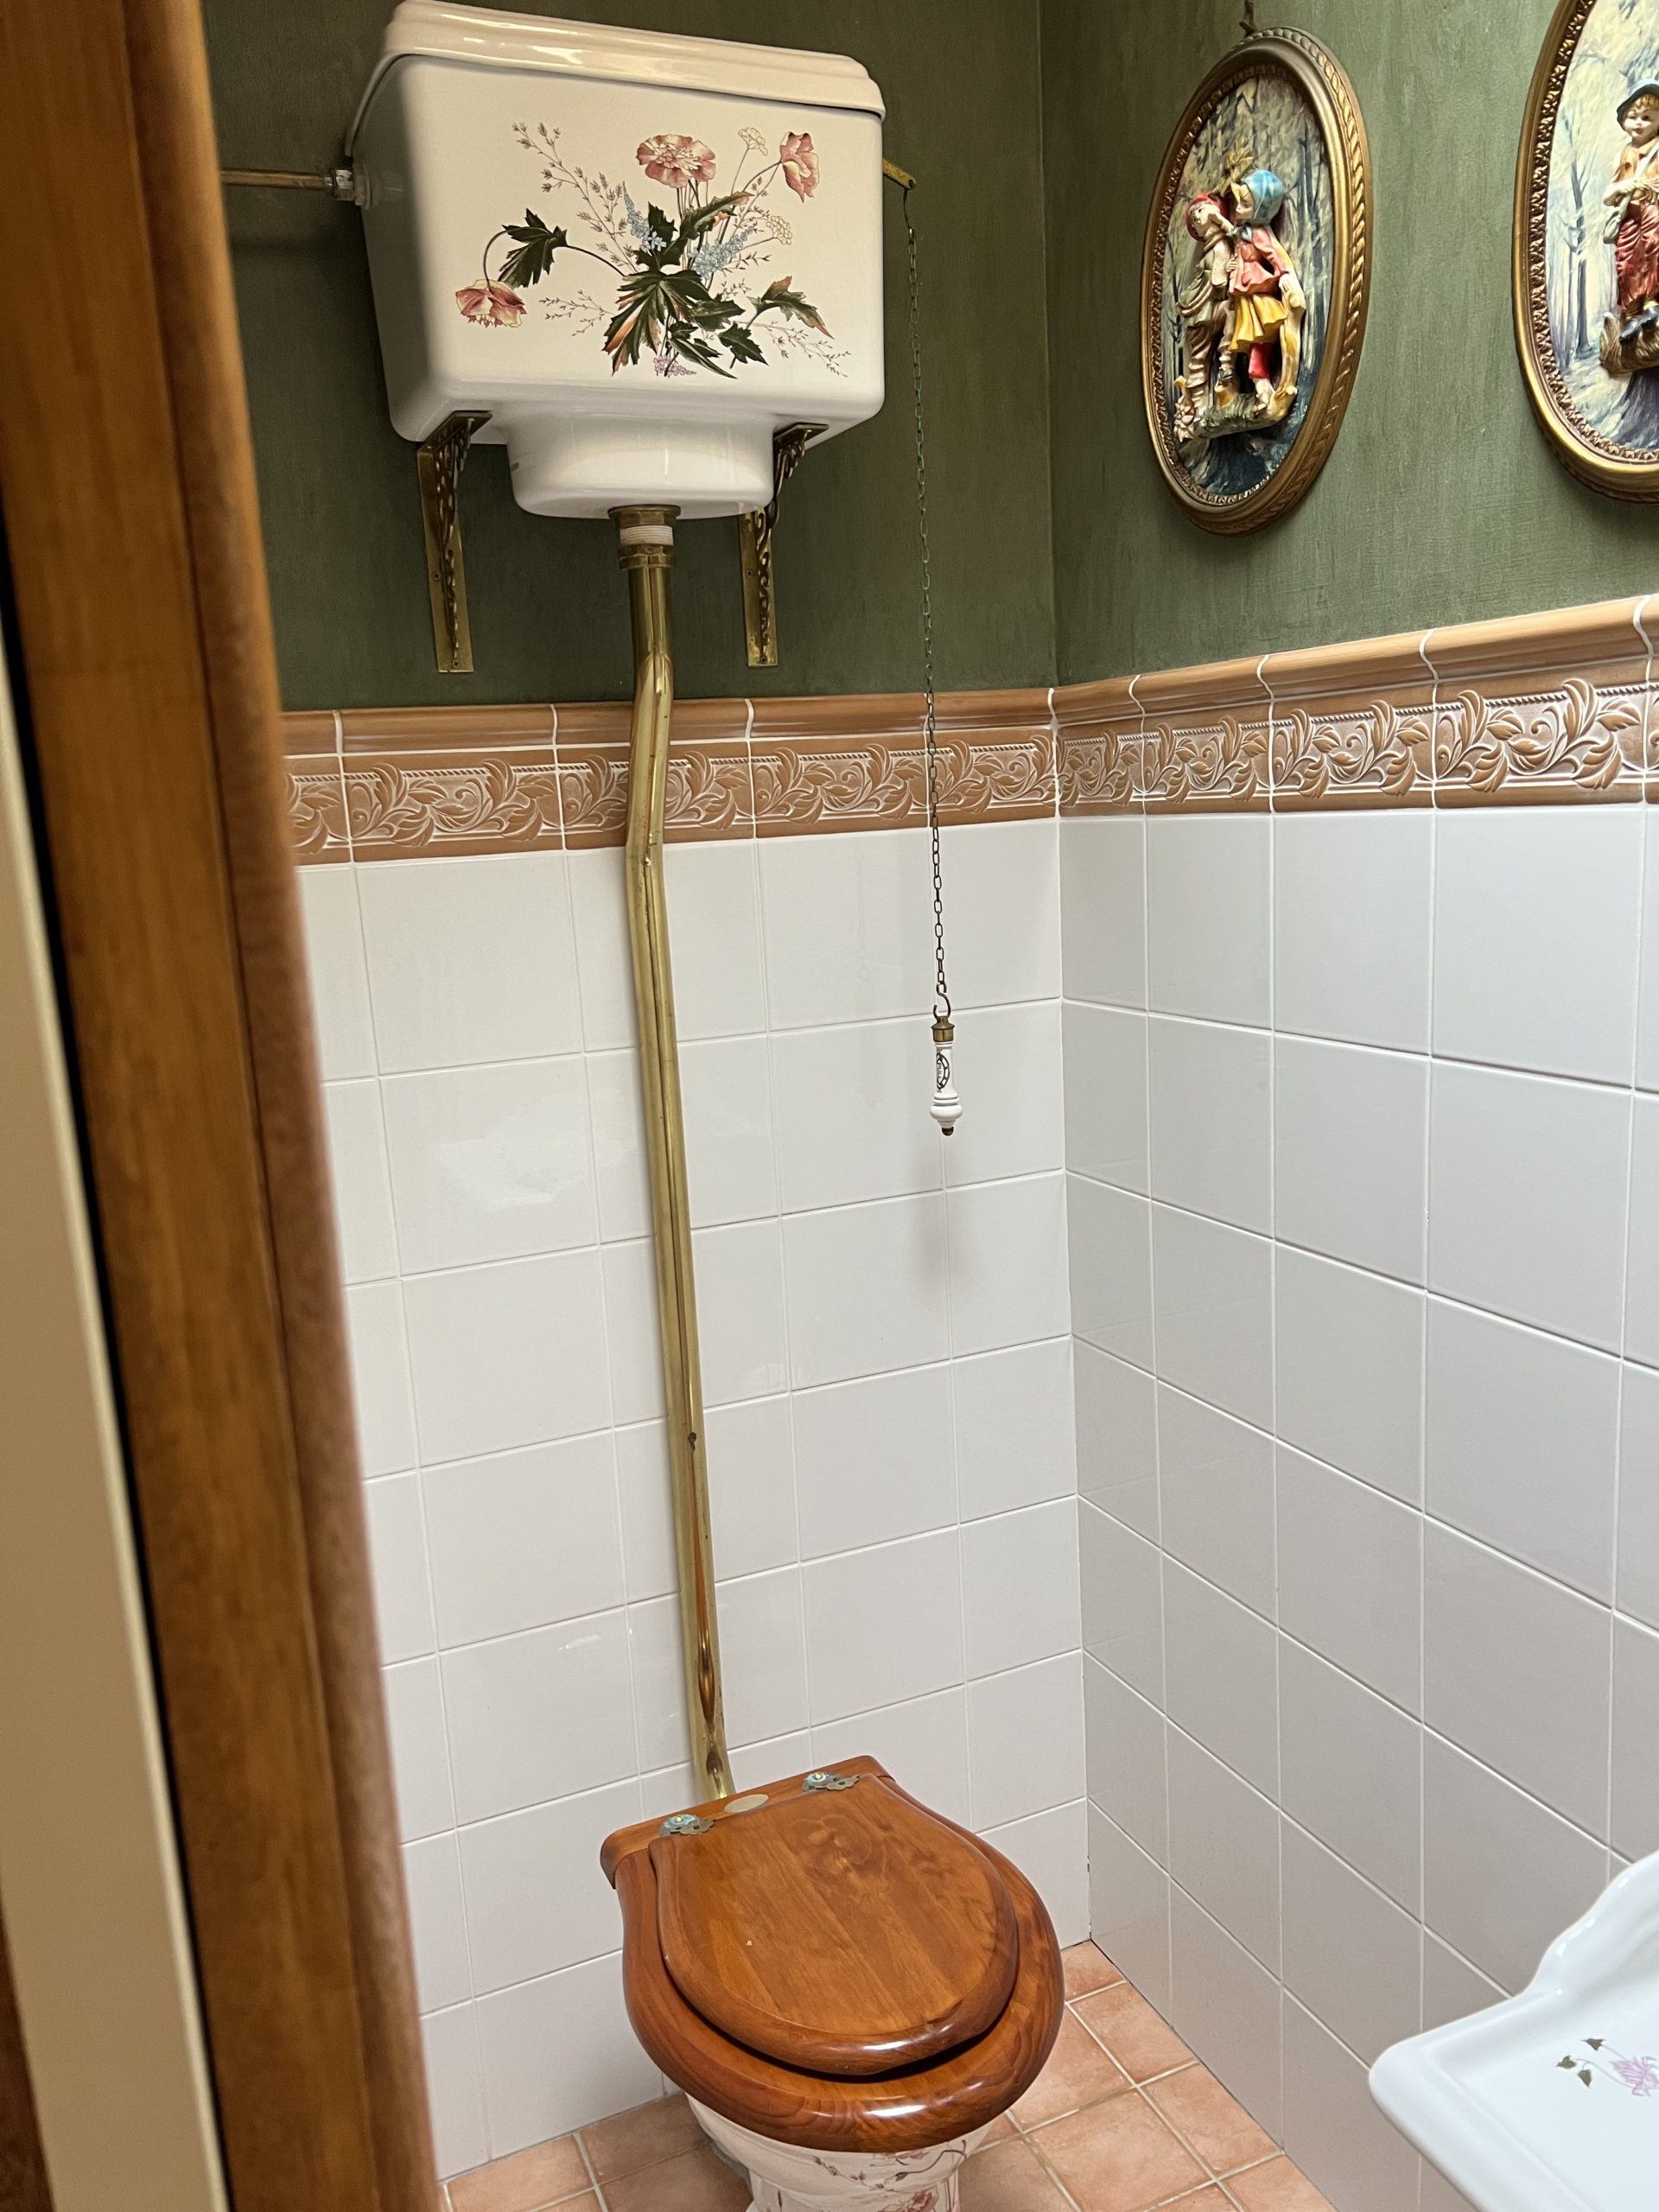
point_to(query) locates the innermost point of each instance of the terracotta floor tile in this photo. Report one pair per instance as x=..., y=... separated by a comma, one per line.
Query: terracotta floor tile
x=1202, y=2114
x=1141, y=2043
x=1275, y=2187
x=1010, y=2178
x=1118, y=2156
x=1000, y=2129
x=1087, y=1968
x=1078, y=2073
x=695, y=2182
x=529, y=2179
x=1211, y=2198
x=643, y=2137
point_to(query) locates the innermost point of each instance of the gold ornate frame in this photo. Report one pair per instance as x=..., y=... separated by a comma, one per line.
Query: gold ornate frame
x=1323, y=83
x=1626, y=472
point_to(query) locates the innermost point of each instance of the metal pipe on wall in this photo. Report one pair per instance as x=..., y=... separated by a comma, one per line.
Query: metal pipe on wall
x=645, y=542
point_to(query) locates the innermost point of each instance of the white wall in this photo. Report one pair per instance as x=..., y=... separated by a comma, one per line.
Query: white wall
x=886, y=1361
x=1364, y=1209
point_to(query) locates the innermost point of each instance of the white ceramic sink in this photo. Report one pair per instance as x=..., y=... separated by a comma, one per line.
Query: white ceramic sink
x=1549, y=2103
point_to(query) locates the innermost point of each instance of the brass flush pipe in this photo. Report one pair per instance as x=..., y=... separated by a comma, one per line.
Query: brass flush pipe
x=645, y=542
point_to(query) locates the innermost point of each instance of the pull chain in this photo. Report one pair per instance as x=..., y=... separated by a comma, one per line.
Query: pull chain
x=946, y=1107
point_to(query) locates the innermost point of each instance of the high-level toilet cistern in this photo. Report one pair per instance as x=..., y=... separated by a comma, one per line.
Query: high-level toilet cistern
x=849, y=1988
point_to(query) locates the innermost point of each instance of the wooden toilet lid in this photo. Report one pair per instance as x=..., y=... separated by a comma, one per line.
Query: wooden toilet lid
x=840, y=1930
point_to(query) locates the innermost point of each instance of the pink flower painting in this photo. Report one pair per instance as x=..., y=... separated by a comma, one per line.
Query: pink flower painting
x=677, y=161
x=1641, y=2075
x=489, y=303
x=799, y=164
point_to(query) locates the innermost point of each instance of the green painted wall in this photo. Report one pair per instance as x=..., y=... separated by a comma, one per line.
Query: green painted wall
x=1442, y=501
x=548, y=611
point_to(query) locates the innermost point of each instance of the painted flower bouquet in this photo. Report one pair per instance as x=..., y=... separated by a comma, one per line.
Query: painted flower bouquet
x=678, y=268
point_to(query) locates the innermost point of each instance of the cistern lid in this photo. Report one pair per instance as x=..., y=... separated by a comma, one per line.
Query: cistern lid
x=838, y=1929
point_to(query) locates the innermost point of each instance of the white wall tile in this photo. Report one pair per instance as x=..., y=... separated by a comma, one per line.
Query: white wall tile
x=1638, y=1496
x=852, y=1108
x=1224, y=1847
x=1208, y=919
x=656, y=1668
x=437, y=1925
x=751, y=1486
x=1002, y=905
x=1350, y=1154
x=381, y=1389
x=1216, y=1482
x=1104, y=910
x=763, y=1655
x=1213, y=1309
x=847, y=931
x=1503, y=1875
x=1647, y=1016
x=1122, y=1602
x=1008, y=1067
x=1451, y=1988
x=883, y=1625
x=1351, y=1955
x=1642, y=1287
x=1128, y=1908
x=873, y=1460
x=535, y=1716
x=1117, y=1438
x=1105, y=1081
x=337, y=970
x=1536, y=913
x=1008, y=1268
x=1350, y=1772
x=726, y=1091
x=713, y=889
x=605, y=971
x=757, y=1766
x=526, y=1539
x=865, y=1288
x=1109, y=1240
x=1125, y=1757
x=632, y=1338
x=1016, y=1439
x=1225, y=2006
x=507, y=1355
x=455, y=2087
x=1025, y=1740
x=558, y=2054
x=537, y=1899
x=1635, y=1829
x=470, y=960
x=740, y=1272
x=1527, y=1198
x=1221, y=1665
x=922, y=1742
x=1348, y=1348
x=420, y=1751
x=402, y=1598
x=1020, y=1587
x=1515, y=1671
x=1051, y=1850
x=621, y=1185
x=1333, y=2128
x=1521, y=1435
x=1351, y=896
x=1351, y=1576
x=490, y=1163
x=1211, y=1121
x=357, y=1156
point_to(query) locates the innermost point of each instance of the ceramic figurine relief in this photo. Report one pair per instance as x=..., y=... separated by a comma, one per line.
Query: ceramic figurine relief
x=1255, y=281
x=1586, y=243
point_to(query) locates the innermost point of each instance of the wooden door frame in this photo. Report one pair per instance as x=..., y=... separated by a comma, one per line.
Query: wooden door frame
x=143, y=656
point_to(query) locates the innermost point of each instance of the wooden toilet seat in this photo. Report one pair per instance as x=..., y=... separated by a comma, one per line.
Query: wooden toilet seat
x=828, y=1963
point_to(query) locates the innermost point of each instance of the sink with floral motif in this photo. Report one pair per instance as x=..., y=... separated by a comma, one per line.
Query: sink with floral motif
x=1549, y=2101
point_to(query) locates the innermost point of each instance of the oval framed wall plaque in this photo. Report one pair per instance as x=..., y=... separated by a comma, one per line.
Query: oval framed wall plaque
x=1586, y=243
x=1255, y=281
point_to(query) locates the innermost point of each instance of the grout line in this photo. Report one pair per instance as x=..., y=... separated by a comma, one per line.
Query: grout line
x=587, y=2167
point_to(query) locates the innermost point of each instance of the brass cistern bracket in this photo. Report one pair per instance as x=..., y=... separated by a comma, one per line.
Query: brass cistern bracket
x=754, y=531
x=440, y=460
x=645, y=548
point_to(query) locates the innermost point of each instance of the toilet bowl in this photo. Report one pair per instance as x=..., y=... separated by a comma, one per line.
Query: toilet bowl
x=848, y=1988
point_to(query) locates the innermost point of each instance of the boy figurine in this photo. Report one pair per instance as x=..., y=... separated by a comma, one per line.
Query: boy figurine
x=1633, y=229
x=1263, y=287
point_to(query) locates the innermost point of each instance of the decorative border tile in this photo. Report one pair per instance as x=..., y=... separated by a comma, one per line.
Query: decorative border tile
x=1545, y=709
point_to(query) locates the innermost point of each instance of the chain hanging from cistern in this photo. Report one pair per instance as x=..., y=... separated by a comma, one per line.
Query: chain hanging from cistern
x=945, y=1106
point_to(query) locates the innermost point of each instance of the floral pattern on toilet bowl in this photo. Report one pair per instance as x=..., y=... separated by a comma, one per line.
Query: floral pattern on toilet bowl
x=782, y=2176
